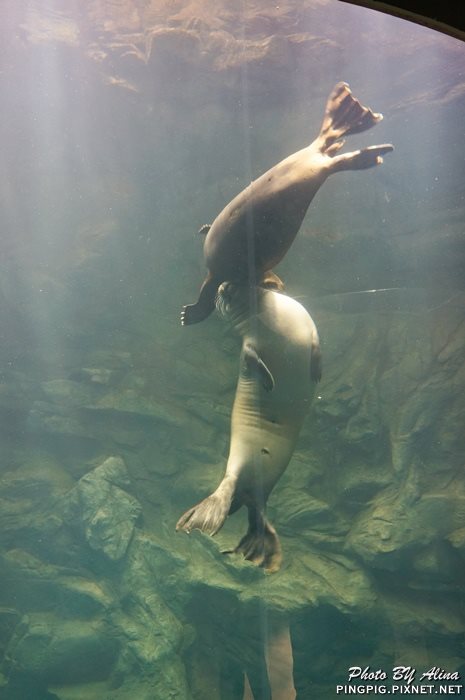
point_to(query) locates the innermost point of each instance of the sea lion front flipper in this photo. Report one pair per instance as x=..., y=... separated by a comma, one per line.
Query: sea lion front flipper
x=254, y=363
x=194, y=313
x=261, y=544
x=271, y=280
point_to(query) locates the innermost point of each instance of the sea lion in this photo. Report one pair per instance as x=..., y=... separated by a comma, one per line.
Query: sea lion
x=279, y=367
x=255, y=230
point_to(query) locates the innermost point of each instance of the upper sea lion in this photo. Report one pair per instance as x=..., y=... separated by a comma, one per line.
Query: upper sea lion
x=255, y=230
x=279, y=367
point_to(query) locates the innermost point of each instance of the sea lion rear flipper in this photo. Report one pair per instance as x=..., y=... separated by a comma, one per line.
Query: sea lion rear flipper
x=209, y=515
x=260, y=544
x=253, y=363
x=194, y=313
x=362, y=159
x=344, y=115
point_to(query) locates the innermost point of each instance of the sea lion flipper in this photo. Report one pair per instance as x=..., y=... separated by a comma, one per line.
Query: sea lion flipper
x=361, y=160
x=209, y=515
x=261, y=544
x=194, y=313
x=344, y=115
x=254, y=363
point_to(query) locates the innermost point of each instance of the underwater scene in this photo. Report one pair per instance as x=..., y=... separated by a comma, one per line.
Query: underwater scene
x=232, y=414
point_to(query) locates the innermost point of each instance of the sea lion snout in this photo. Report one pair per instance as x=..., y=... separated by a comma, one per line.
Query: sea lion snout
x=225, y=297
x=225, y=290
x=233, y=300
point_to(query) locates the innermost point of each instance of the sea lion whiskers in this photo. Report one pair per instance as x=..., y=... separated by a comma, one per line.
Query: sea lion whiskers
x=238, y=304
x=221, y=304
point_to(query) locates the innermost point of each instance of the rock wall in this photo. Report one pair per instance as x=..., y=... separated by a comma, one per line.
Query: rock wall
x=112, y=420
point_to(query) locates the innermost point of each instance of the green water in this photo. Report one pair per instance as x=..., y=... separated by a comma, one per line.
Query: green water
x=125, y=127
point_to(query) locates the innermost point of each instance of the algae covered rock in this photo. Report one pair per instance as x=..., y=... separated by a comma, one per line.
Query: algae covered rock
x=105, y=513
x=33, y=584
x=153, y=636
x=405, y=520
x=57, y=650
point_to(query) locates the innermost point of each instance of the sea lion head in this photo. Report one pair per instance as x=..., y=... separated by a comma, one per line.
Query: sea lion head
x=237, y=302
x=231, y=299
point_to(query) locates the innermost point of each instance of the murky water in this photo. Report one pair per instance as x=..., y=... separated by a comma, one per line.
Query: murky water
x=125, y=127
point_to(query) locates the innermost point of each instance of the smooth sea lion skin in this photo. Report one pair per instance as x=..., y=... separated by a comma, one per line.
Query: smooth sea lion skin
x=256, y=229
x=279, y=367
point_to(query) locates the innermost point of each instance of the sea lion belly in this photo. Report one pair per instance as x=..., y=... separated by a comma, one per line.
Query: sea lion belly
x=263, y=220
x=265, y=424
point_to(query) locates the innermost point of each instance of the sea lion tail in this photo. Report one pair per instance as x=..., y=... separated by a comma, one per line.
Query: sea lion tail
x=344, y=115
x=209, y=515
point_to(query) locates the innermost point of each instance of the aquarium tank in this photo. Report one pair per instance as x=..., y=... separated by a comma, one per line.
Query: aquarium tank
x=127, y=127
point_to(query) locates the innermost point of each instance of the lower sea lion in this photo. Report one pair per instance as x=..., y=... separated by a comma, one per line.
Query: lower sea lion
x=279, y=367
x=256, y=229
